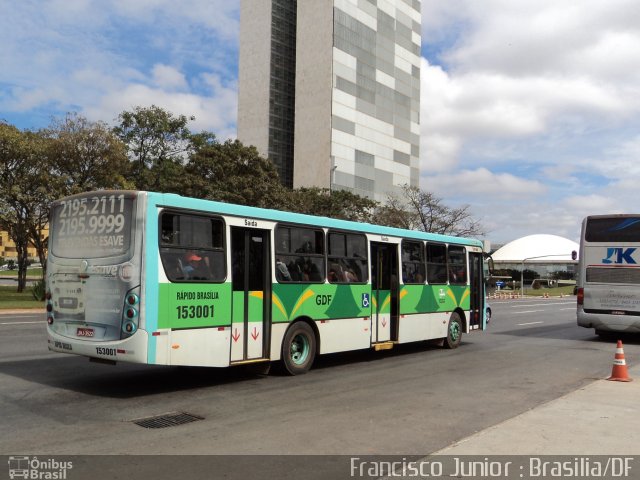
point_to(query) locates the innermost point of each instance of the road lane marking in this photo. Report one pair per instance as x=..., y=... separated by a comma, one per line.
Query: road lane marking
x=528, y=311
x=538, y=304
x=20, y=323
x=529, y=323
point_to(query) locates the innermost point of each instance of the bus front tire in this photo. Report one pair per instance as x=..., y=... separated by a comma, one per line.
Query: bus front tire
x=454, y=332
x=298, y=348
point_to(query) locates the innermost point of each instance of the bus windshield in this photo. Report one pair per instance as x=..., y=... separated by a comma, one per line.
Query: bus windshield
x=97, y=225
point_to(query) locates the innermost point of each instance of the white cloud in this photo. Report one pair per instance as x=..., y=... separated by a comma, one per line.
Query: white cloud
x=517, y=68
x=168, y=77
x=456, y=109
x=100, y=58
x=542, y=37
x=545, y=91
x=482, y=182
x=220, y=16
x=215, y=111
x=439, y=152
x=591, y=203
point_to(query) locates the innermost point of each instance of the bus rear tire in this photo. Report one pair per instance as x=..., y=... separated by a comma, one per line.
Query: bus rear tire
x=298, y=348
x=454, y=332
x=605, y=335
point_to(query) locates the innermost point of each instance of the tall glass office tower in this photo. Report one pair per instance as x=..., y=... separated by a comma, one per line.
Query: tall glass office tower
x=330, y=91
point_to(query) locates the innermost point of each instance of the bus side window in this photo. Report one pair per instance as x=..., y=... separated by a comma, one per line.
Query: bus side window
x=299, y=254
x=457, y=261
x=192, y=247
x=436, y=263
x=172, y=264
x=348, y=256
x=217, y=267
x=412, y=262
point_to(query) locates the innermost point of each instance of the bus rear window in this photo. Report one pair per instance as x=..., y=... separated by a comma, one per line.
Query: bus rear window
x=95, y=226
x=613, y=229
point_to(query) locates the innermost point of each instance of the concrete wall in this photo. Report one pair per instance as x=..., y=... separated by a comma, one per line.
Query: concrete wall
x=254, y=74
x=314, y=77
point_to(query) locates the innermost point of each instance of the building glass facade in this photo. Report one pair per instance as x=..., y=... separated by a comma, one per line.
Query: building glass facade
x=343, y=91
x=282, y=87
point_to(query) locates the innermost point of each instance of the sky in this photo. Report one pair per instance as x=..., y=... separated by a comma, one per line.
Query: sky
x=530, y=109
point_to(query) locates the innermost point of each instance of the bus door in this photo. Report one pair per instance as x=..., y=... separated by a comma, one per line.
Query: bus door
x=384, y=292
x=251, y=280
x=477, y=300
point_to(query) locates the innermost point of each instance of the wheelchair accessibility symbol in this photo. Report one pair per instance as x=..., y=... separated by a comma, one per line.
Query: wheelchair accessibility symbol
x=365, y=300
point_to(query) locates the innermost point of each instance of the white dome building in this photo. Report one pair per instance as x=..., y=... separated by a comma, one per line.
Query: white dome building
x=536, y=260
x=537, y=249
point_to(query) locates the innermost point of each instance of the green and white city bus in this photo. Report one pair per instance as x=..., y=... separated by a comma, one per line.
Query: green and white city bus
x=168, y=280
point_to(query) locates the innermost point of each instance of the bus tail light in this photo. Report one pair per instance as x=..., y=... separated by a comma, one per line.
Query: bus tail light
x=130, y=314
x=129, y=327
x=133, y=299
x=580, y=295
x=49, y=307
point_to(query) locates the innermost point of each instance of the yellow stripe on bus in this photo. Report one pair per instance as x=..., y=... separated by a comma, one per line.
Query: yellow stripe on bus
x=464, y=296
x=453, y=297
x=276, y=301
x=305, y=296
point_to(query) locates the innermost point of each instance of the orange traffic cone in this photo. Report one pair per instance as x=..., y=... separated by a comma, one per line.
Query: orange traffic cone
x=619, y=372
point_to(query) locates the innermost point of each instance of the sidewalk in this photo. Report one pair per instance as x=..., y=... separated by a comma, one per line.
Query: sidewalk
x=601, y=418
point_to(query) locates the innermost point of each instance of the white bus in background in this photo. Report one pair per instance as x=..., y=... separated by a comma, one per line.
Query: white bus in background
x=609, y=274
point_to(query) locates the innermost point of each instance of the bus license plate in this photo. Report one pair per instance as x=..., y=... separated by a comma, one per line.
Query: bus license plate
x=84, y=332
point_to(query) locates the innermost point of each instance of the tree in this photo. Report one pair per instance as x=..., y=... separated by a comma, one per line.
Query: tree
x=231, y=172
x=86, y=156
x=421, y=210
x=158, y=143
x=24, y=190
x=335, y=204
x=395, y=213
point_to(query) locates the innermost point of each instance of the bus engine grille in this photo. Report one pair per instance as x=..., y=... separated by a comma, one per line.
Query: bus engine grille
x=613, y=275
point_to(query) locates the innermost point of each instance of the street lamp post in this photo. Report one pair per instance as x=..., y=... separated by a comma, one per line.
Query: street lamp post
x=332, y=173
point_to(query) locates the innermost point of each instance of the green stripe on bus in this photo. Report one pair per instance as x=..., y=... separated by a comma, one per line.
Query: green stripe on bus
x=191, y=305
x=319, y=301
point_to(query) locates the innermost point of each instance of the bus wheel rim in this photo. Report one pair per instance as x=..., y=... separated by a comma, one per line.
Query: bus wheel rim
x=299, y=349
x=454, y=331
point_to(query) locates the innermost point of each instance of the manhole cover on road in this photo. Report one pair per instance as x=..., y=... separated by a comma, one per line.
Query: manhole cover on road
x=167, y=420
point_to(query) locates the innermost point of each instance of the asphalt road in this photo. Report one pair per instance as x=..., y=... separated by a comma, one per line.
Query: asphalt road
x=412, y=400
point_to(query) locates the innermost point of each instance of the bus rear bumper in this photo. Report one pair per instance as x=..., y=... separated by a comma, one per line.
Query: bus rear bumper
x=609, y=323
x=132, y=349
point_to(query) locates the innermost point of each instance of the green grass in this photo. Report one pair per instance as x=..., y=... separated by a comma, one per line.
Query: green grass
x=10, y=299
x=553, y=292
x=31, y=273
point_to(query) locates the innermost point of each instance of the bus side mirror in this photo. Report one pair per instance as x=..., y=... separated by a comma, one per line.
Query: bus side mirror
x=489, y=261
